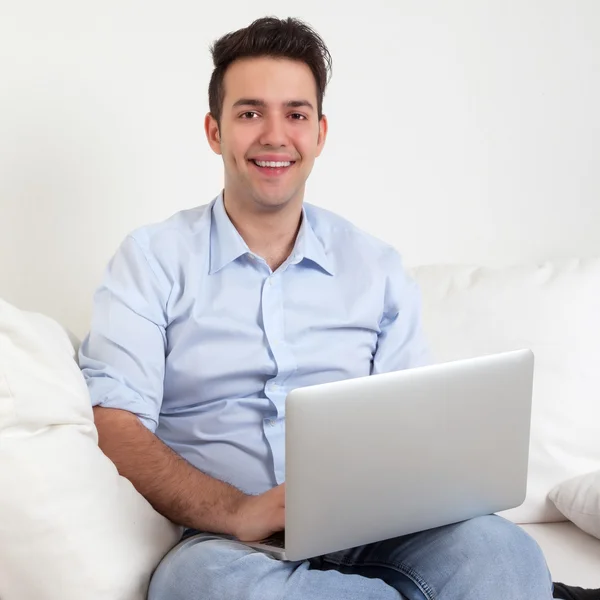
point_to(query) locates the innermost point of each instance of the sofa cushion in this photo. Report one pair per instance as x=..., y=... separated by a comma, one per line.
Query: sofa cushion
x=70, y=526
x=579, y=500
x=552, y=309
x=573, y=556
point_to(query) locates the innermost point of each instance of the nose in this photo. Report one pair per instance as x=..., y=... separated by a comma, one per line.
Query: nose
x=274, y=132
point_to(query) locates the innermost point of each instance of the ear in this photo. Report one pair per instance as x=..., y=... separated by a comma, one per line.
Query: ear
x=323, y=126
x=211, y=128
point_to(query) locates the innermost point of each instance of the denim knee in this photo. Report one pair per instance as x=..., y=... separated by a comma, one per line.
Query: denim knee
x=493, y=540
x=180, y=574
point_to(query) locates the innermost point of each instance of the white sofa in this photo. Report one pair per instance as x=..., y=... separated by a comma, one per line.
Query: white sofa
x=572, y=555
x=46, y=431
x=554, y=310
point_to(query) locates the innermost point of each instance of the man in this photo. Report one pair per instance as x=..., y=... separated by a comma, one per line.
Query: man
x=203, y=324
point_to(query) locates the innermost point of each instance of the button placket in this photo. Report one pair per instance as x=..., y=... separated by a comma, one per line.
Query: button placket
x=272, y=317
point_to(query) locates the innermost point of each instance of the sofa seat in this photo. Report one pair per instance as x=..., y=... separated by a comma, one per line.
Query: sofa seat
x=572, y=555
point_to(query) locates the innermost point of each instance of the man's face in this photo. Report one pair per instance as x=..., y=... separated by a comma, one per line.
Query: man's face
x=270, y=133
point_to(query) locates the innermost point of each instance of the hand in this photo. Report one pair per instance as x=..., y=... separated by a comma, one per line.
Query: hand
x=258, y=517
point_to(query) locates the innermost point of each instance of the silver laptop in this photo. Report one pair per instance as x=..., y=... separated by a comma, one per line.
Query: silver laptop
x=387, y=455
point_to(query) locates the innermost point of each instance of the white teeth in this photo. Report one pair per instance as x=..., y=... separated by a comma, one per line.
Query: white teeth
x=270, y=163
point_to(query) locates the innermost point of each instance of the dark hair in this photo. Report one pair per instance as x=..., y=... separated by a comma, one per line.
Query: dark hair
x=278, y=38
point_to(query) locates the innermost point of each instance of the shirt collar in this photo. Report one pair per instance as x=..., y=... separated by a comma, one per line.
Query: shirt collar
x=310, y=247
x=226, y=244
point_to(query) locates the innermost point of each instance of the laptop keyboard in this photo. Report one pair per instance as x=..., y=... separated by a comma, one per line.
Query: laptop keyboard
x=277, y=540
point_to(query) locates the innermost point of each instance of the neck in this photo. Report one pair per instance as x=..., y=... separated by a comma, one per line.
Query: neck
x=269, y=233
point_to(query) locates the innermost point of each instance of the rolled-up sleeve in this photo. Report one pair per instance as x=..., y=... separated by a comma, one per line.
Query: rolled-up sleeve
x=401, y=343
x=123, y=356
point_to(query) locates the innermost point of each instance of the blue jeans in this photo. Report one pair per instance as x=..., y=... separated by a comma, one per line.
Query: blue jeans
x=487, y=558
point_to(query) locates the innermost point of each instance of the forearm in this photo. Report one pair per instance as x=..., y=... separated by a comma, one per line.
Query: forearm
x=174, y=487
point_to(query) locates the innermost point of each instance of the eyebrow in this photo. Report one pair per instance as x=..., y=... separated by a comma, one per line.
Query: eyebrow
x=262, y=104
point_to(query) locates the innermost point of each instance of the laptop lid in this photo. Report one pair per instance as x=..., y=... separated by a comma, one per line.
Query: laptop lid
x=377, y=457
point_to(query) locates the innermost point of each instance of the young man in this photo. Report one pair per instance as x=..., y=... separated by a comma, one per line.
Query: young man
x=205, y=322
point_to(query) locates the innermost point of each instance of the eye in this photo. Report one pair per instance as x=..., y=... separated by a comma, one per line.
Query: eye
x=298, y=117
x=249, y=114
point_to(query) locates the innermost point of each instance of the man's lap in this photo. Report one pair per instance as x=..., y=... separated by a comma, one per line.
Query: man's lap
x=487, y=558
x=205, y=567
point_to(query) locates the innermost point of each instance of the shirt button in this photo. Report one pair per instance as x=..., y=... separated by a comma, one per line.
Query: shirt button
x=270, y=422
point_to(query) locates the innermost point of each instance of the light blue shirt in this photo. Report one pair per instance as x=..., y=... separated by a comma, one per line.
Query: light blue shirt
x=195, y=334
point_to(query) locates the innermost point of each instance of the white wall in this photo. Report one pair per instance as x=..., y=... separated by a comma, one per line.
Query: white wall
x=463, y=131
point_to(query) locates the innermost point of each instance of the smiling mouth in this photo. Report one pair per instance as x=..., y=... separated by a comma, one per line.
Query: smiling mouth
x=272, y=164
x=272, y=169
